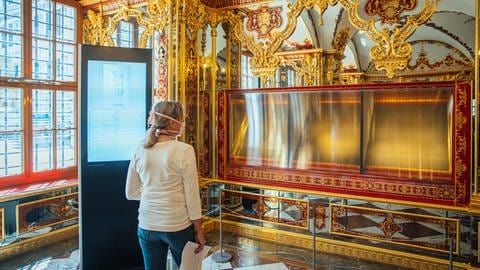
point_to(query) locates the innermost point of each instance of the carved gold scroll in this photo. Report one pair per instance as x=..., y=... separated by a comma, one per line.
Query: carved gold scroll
x=98, y=28
x=392, y=51
x=265, y=61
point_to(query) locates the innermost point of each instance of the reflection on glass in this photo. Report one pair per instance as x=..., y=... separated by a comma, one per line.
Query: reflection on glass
x=403, y=133
x=42, y=151
x=123, y=35
x=42, y=109
x=257, y=114
x=65, y=110
x=65, y=23
x=11, y=153
x=410, y=132
x=11, y=127
x=42, y=59
x=42, y=22
x=11, y=16
x=11, y=117
x=65, y=65
x=65, y=148
x=11, y=27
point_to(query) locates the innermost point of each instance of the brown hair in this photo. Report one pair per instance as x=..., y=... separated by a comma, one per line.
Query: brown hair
x=172, y=109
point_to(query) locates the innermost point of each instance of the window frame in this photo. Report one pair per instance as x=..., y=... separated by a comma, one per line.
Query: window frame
x=28, y=84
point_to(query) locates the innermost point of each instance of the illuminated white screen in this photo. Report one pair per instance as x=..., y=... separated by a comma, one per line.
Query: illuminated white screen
x=116, y=109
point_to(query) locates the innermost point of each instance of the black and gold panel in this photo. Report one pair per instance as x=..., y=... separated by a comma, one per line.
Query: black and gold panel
x=268, y=208
x=420, y=230
x=42, y=213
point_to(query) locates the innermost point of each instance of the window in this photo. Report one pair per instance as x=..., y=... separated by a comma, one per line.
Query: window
x=248, y=80
x=11, y=137
x=11, y=38
x=128, y=34
x=38, y=90
x=123, y=35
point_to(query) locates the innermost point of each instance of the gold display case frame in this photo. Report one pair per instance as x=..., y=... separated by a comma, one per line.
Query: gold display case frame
x=453, y=193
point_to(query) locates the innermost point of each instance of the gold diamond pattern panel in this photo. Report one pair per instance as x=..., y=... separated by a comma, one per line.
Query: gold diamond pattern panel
x=425, y=230
x=269, y=208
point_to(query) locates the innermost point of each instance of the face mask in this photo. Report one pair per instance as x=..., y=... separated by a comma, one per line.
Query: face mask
x=171, y=133
x=182, y=129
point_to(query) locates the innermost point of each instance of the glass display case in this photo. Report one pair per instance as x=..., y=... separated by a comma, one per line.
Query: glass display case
x=409, y=141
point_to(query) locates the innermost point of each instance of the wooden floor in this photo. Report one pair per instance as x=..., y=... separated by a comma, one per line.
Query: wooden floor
x=245, y=252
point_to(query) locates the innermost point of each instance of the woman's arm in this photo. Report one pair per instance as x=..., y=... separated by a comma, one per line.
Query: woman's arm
x=133, y=187
x=199, y=236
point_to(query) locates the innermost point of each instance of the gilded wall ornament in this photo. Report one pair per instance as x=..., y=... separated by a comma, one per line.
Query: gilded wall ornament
x=341, y=40
x=389, y=10
x=263, y=20
x=95, y=29
x=98, y=29
x=196, y=17
x=158, y=12
x=265, y=62
x=392, y=51
x=306, y=69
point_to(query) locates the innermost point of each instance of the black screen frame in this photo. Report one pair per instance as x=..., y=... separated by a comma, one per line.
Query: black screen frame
x=108, y=221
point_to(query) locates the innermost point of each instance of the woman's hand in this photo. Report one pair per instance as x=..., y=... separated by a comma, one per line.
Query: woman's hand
x=200, y=238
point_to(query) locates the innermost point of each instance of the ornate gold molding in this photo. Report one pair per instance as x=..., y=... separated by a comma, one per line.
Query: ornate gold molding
x=306, y=69
x=265, y=61
x=98, y=28
x=95, y=29
x=196, y=16
x=391, y=52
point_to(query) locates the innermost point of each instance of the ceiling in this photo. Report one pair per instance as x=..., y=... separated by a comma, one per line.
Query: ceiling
x=450, y=32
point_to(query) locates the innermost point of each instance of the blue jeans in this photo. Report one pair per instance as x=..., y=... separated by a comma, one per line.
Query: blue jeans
x=155, y=246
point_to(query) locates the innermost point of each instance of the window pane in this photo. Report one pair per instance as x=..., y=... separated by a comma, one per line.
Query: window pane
x=65, y=110
x=66, y=148
x=65, y=62
x=65, y=23
x=125, y=34
x=11, y=154
x=42, y=151
x=42, y=18
x=11, y=117
x=42, y=109
x=11, y=55
x=11, y=16
x=42, y=54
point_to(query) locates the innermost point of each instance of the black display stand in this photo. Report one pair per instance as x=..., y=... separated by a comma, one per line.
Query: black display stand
x=108, y=221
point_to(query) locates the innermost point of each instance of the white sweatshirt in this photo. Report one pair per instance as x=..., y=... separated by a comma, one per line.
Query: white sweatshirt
x=164, y=179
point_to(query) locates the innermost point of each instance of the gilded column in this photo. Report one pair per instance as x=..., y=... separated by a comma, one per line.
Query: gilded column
x=477, y=92
x=182, y=42
x=213, y=95
x=170, y=51
x=228, y=60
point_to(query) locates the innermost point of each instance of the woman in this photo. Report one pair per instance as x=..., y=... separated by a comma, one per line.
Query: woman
x=163, y=176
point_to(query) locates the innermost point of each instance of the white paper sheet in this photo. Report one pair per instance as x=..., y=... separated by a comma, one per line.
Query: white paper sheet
x=190, y=260
x=209, y=264
x=273, y=266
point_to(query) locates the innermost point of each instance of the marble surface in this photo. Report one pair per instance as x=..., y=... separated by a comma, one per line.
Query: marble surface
x=247, y=254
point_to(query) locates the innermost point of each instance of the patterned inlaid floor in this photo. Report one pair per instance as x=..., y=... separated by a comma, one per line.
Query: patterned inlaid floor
x=247, y=254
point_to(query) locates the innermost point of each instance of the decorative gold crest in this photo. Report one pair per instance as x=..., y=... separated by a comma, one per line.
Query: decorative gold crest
x=264, y=20
x=389, y=10
x=392, y=51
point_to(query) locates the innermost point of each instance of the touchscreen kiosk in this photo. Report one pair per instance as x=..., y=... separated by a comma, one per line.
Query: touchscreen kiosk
x=114, y=102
